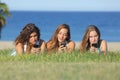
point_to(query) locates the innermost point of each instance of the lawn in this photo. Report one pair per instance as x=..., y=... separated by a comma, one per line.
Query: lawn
x=74, y=66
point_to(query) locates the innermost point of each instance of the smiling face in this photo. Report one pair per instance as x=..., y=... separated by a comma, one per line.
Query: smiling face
x=93, y=37
x=62, y=35
x=33, y=38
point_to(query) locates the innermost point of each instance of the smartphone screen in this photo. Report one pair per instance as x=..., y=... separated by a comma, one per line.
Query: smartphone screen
x=63, y=43
x=37, y=44
x=95, y=45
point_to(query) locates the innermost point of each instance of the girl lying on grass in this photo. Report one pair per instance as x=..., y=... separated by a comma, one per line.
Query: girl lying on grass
x=29, y=41
x=91, y=41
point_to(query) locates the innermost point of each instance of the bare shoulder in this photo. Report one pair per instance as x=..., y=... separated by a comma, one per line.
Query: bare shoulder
x=103, y=42
x=48, y=43
x=42, y=42
x=70, y=46
x=19, y=45
x=103, y=46
x=71, y=43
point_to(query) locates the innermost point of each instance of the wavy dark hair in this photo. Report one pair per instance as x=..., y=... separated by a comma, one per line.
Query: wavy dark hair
x=25, y=33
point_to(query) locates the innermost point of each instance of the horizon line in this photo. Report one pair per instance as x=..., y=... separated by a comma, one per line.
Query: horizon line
x=62, y=11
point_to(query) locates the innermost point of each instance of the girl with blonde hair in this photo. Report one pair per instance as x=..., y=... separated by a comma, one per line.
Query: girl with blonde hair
x=91, y=41
x=60, y=41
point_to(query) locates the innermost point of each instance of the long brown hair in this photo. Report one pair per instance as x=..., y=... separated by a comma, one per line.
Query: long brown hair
x=25, y=34
x=85, y=44
x=53, y=43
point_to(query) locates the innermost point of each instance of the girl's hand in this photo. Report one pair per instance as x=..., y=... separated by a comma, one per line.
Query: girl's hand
x=62, y=48
x=93, y=49
x=35, y=50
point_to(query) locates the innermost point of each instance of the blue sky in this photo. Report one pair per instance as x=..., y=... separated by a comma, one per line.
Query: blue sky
x=64, y=5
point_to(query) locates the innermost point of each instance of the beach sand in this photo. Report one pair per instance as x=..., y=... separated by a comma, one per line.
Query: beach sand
x=112, y=46
x=6, y=45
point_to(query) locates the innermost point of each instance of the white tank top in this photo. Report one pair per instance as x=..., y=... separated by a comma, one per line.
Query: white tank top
x=14, y=52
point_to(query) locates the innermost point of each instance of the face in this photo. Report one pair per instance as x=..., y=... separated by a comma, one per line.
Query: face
x=93, y=37
x=33, y=38
x=62, y=35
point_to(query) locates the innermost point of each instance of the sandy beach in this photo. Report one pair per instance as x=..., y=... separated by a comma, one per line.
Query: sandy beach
x=112, y=46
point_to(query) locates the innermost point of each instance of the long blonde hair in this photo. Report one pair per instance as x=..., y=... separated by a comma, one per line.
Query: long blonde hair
x=53, y=43
x=85, y=44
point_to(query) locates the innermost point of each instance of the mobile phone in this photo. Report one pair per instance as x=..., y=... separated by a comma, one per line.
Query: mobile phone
x=95, y=45
x=37, y=44
x=63, y=43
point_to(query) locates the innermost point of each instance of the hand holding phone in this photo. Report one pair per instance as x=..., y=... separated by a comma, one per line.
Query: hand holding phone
x=95, y=45
x=62, y=46
x=37, y=44
x=63, y=43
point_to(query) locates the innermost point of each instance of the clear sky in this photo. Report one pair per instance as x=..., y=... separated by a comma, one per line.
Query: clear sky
x=64, y=5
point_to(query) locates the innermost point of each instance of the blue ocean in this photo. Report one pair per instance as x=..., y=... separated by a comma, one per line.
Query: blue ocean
x=107, y=22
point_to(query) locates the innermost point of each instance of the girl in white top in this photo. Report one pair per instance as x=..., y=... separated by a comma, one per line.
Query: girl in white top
x=29, y=40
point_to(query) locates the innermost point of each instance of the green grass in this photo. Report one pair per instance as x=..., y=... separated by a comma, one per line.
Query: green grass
x=74, y=66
